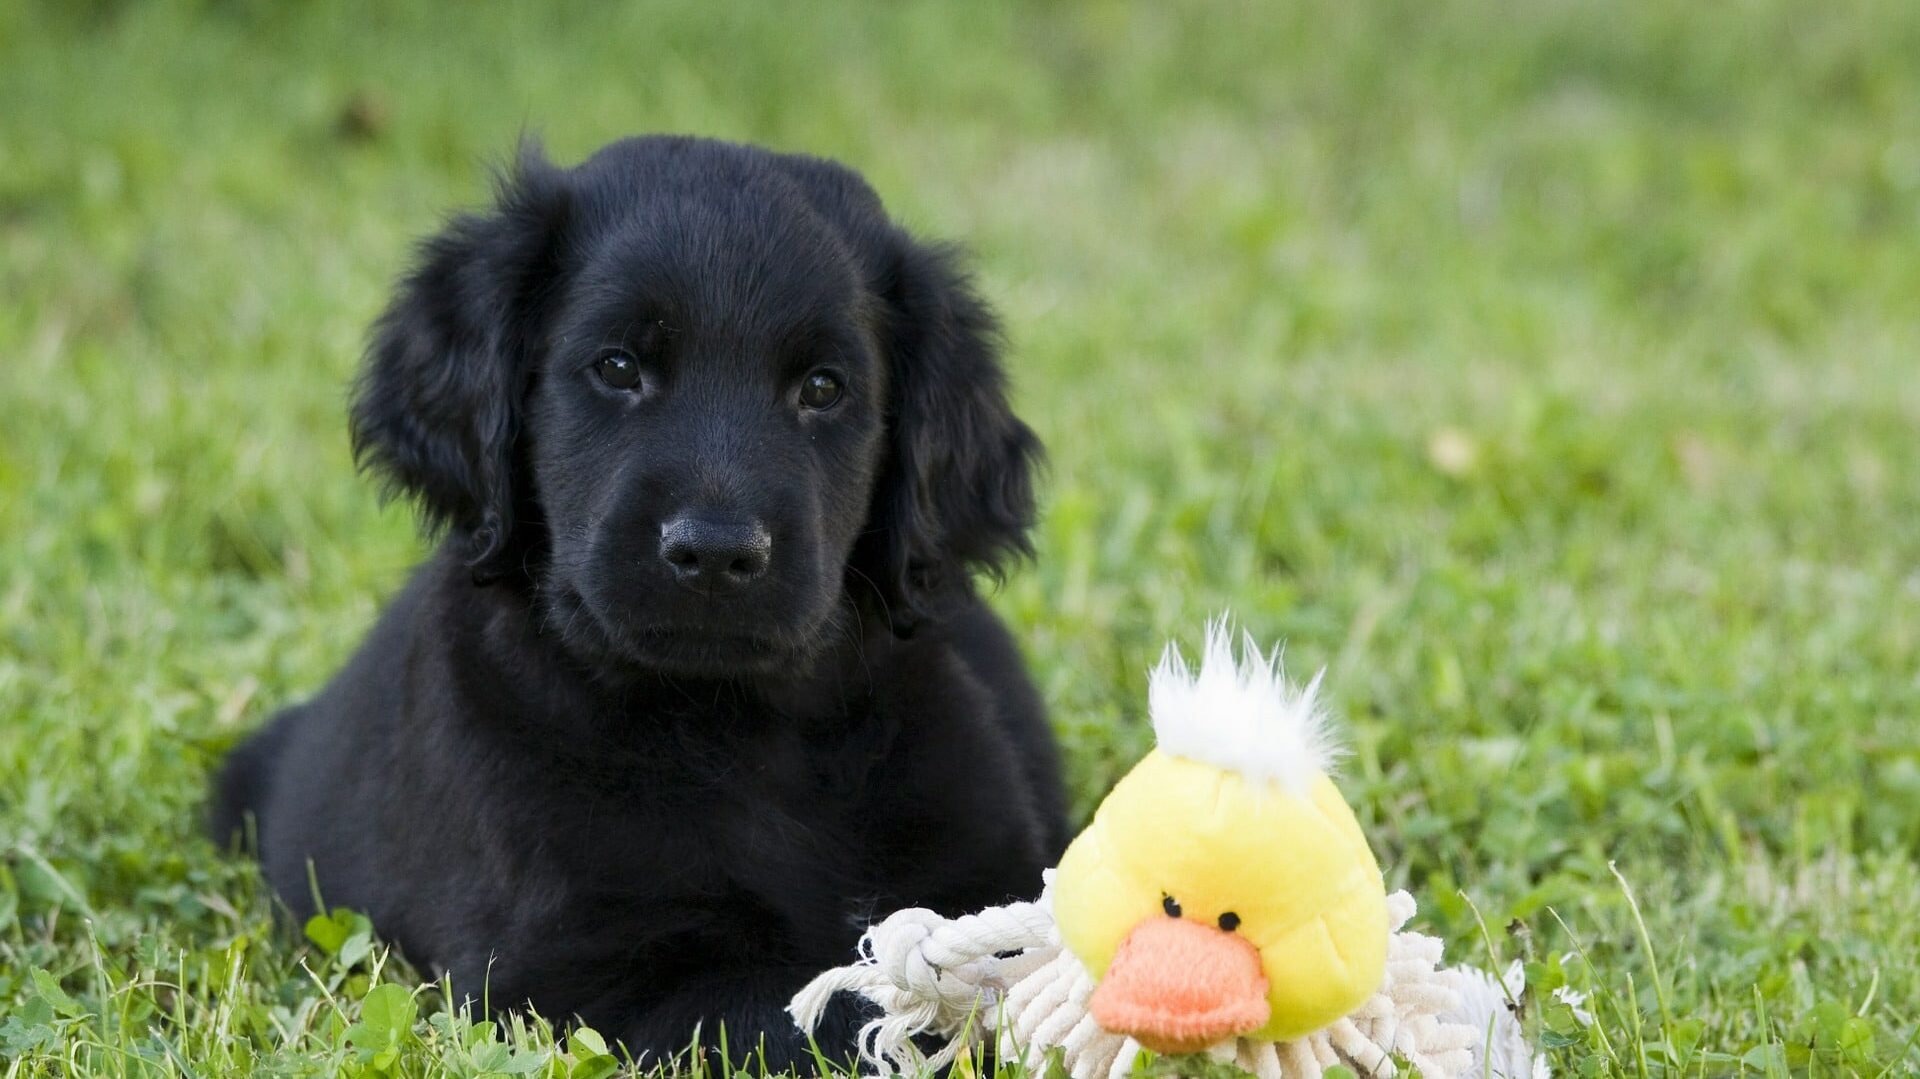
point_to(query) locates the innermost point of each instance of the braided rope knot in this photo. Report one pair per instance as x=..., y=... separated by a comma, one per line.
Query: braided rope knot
x=897, y=948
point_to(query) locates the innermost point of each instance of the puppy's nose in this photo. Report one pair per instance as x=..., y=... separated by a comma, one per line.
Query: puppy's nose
x=715, y=555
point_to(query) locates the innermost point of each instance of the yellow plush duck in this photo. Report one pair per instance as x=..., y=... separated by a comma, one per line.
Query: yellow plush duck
x=1223, y=900
x=1224, y=888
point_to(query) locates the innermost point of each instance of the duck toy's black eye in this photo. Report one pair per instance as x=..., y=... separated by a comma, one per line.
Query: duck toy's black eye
x=1170, y=905
x=1229, y=921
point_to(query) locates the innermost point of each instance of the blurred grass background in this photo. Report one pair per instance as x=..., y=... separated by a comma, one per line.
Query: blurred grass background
x=1546, y=371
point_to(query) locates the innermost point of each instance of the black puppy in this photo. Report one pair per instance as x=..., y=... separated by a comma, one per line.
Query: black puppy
x=697, y=682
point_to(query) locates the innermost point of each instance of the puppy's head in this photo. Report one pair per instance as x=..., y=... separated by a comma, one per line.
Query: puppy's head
x=704, y=401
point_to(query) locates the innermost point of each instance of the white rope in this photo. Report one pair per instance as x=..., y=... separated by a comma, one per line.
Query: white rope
x=1002, y=975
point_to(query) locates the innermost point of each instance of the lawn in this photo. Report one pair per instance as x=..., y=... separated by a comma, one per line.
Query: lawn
x=1547, y=372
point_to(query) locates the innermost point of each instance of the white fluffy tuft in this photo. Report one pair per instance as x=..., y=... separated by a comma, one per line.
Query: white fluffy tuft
x=1241, y=714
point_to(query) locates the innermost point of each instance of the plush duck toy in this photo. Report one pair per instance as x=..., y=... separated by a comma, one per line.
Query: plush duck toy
x=1223, y=901
x=1224, y=888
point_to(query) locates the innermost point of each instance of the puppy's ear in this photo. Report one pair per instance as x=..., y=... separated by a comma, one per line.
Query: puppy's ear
x=955, y=493
x=437, y=406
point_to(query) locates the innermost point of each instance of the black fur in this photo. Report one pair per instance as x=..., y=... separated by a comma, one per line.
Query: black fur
x=586, y=777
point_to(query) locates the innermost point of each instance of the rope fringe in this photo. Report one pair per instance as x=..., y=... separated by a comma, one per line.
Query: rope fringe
x=1003, y=975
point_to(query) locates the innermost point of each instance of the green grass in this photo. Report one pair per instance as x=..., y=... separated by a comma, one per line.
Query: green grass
x=1545, y=371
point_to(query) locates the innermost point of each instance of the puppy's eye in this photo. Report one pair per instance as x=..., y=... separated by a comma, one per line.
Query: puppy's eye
x=820, y=390
x=619, y=370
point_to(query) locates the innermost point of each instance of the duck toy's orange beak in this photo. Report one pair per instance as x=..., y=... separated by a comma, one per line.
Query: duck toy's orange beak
x=1179, y=986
